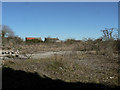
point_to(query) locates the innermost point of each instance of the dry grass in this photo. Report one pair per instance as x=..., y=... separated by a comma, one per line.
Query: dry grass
x=98, y=63
x=107, y=48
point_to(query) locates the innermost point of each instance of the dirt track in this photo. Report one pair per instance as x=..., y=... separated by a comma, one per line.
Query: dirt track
x=52, y=53
x=49, y=54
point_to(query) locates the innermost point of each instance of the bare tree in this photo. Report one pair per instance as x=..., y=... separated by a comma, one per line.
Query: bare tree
x=107, y=33
x=7, y=31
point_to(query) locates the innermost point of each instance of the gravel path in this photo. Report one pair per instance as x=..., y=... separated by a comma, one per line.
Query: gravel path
x=52, y=53
x=49, y=54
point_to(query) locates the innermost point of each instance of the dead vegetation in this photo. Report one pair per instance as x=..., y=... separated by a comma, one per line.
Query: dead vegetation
x=74, y=67
x=98, y=63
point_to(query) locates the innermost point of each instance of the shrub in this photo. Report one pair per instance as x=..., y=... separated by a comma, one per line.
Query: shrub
x=70, y=41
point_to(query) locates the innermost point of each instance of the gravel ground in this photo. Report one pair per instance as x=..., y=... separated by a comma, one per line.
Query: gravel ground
x=69, y=68
x=48, y=54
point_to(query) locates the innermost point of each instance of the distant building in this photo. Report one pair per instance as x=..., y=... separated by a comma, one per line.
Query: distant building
x=29, y=38
x=78, y=40
x=52, y=40
x=33, y=39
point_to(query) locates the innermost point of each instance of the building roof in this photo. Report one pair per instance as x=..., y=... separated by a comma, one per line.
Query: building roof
x=52, y=38
x=31, y=38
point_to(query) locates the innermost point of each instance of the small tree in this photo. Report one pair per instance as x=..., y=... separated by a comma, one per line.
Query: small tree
x=9, y=39
x=108, y=46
